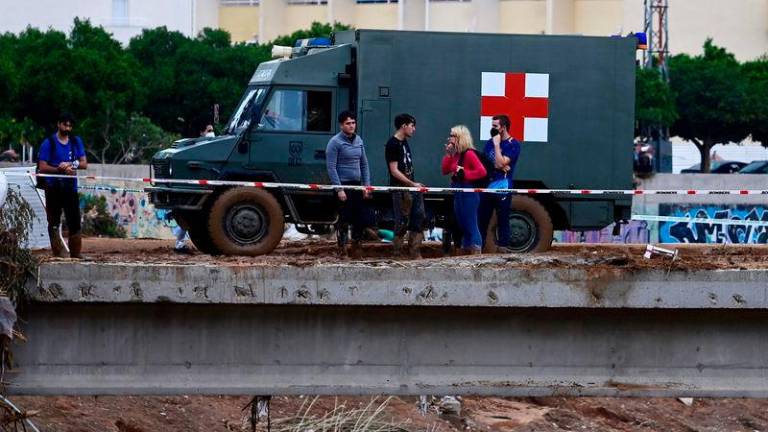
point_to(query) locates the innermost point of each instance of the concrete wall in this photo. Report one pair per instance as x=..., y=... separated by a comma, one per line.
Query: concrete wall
x=599, y=17
x=242, y=22
x=128, y=203
x=738, y=207
x=522, y=16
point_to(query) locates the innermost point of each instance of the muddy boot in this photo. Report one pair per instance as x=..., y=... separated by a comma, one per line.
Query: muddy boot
x=57, y=244
x=76, y=246
x=476, y=250
x=414, y=244
x=397, y=245
x=356, y=249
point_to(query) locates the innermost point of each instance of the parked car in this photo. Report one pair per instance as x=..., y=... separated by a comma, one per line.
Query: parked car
x=717, y=167
x=756, y=167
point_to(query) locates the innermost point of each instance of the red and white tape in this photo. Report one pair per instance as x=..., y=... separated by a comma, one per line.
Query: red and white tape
x=316, y=186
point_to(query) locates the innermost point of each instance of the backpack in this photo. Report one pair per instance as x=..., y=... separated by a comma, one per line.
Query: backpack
x=487, y=164
x=40, y=182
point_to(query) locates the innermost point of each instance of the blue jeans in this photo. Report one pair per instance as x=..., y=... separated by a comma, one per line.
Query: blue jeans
x=501, y=204
x=465, y=206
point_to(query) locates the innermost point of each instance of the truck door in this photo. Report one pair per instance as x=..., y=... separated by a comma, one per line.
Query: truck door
x=292, y=133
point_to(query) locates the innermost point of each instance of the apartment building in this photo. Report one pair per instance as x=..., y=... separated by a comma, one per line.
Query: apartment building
x=739, y=25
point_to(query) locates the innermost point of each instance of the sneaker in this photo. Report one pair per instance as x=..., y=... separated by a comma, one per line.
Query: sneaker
x=184, y=250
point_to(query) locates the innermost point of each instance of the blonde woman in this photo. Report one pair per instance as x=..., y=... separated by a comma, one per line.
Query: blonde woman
x=463, y=164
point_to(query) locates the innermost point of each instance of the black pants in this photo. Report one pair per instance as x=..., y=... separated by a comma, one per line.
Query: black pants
x=354, y=212
x=63, y=198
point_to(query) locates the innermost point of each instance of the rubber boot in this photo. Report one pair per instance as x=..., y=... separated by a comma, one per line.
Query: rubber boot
x=356, y=249
x=57, y=244
x=414, y=244
x=75, y=246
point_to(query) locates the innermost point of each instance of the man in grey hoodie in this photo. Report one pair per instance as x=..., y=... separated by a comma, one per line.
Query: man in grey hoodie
x=348, y=165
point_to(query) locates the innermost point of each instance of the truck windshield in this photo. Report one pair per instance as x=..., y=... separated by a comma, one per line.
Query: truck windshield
x=249, y=106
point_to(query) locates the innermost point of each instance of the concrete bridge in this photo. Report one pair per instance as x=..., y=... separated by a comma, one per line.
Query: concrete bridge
x=434, y=327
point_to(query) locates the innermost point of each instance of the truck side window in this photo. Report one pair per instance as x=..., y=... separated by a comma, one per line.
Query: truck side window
x=319, y=111
x=284, y=112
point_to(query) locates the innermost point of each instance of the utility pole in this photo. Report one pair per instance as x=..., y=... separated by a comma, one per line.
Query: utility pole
x=657, y=32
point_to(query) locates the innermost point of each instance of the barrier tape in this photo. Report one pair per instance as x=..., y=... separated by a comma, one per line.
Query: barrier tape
x=315, y=186
x=654, y=218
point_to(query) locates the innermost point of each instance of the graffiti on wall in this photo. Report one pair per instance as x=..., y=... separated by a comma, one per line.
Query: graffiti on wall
x=633, y=232
x=132, y=211
x=687, y=232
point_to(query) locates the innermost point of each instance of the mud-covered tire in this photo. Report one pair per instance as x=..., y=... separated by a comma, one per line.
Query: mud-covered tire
x=197, y=228
x=246, y=221
x=530, y=227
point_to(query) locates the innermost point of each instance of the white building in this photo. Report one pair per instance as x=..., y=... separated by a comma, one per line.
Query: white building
x=123, y=18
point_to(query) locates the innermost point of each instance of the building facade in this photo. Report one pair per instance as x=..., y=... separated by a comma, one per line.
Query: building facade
x=739, y=25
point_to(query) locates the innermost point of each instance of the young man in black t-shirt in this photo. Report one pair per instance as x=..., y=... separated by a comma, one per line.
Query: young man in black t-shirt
x=408, y=207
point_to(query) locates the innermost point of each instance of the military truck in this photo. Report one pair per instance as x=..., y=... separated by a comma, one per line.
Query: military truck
x=570, y=99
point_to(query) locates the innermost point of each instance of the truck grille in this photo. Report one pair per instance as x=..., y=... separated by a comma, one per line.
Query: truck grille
x=161, y=168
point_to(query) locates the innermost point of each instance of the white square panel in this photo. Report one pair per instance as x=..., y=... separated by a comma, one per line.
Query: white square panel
x=536, y=85
x=535, y=129
x=492, y=84
x=485, y=129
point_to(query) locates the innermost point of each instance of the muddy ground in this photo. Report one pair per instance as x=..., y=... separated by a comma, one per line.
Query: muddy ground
x=319, y=252
x=225, y=413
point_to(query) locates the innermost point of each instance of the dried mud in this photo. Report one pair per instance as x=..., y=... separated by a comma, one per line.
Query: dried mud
x=602, y=261
x=489, y=414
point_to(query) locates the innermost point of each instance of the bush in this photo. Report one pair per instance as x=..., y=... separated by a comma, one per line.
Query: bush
x=96, y=219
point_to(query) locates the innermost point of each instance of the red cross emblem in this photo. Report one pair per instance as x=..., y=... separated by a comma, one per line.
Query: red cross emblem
x=521, y=96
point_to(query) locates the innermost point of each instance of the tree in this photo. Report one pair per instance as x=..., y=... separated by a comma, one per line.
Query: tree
x=756, y=74
x=654, y=101
x=711, y=95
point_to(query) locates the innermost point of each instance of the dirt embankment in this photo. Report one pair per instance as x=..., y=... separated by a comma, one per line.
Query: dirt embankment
x=320, y=252
x=225, y=413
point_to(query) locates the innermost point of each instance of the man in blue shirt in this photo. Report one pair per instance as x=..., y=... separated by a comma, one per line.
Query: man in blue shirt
x=62, y=153
x=503, y=150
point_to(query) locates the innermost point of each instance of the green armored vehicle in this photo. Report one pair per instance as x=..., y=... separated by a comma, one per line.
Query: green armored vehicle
x=570, y=99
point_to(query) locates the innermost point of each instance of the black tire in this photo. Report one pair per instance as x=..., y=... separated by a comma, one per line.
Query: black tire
x=531, y=227
x=197, y=228
x=246, y=221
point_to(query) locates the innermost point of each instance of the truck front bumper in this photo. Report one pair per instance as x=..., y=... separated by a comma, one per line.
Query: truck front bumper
x=177, y=198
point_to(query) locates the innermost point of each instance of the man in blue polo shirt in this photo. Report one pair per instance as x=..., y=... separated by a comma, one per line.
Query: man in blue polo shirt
x=62, y=153
x=503, y=150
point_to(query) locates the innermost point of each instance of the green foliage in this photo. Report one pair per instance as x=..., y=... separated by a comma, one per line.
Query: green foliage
x=654, y=101
x=16, y=261
x=96, y=218
x=711, y=99
x=129, y=101
x=756, y=119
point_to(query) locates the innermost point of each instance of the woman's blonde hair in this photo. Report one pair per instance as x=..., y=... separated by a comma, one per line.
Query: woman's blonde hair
x=463, y=138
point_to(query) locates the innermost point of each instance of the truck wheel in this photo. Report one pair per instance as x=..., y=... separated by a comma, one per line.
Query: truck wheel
x=530, y=227
x=246, y=221
x=198, y=233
